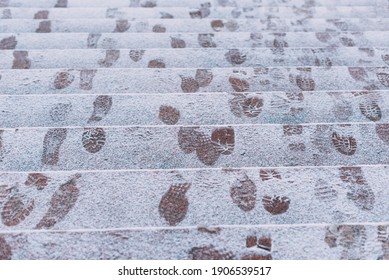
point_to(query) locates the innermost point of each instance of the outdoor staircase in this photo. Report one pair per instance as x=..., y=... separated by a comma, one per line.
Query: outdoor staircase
x=194, y=129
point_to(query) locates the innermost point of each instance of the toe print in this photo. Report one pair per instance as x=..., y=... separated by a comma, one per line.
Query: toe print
x=166, y=15
x=156, y=63
x=189, y=84
x=61, y=203
x=41, y=15
x=60, y=112
x=177, y=43
x=290, y=130
x=86, y=79
x=217, y=25
x=38, y=180
x=8, y=43
x=93, y=39
x=210, y=253
x=203, y=77
x=111, y=56
x=101, y=107
x=269, y=174
x=93, y=139
x=276, y=205
x=136, y=55
x=371, y=110
x=169, y=115
x=5, y=249
x=252, y=107
x=122, y=25
x=382, y=131
x=244, y=194
x=206, y=151
x=224, y=140
x=348, y=42
x=346, y=145
x=203, y=12
x=235, y=57
x=188, y=139
x=44, y=27
x=63, y=80
x=159, y=28
x=358, y=73
x=174, y=204
x=205, y=40
x=61, y=4
x=149, y=4
x=239, y=85
x=324, y=191
x=323, y=37
x=21, y=60
x=383, y=78
x=305, y=83
x=52, y=144
x=15, y=210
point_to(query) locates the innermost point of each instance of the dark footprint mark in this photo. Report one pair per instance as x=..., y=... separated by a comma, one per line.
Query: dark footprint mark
x=204, y=77
x=235, y=57
x=263, y=243
x=217, y=25
x=232, y=25
x=4, y=3
x=101, y=106
x=383, y=78
x=61, y=4
x=60, y=112
x=86, y=78
x=38, y=180
x=93, y=39
x=8, y=43
x=359, y=190
x=210, y=253
x=93, y=139
x=297, y=147
x=156, y=63
x=290, y=130
x=61, y=203
x=16, y=210
x=21, y=60
x=383, y=238
x=149, y=4
x=224, y=140
x=346, y=145
x=371, y=110
x=239, y=85
x=166, y=15
x=111, y=56
x=244, y=194
x=269, y=174
x=136, y=55
x=169, y=115
x=382, y=131
x=63, y=80
x=159, y=28
x=241, y=105
x=6, y=14
x=256, y=256
x=206, y=151
x=348, y=42
x=177, y=43
x=174, y=204
x=5, y=249
x=276, y=205
x=358, y=73
x=122, y=25
x=52, y=144
x=205, y=40
x=385, y=58
x=215, y=230
x=188, y=139
x=203, y=12
x=304, y=83
x=44, y=27
x=188, y=84
x=41, y=15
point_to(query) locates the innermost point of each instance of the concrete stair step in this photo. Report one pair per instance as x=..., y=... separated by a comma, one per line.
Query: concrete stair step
x=191, y=197
x=172, y=146
x=193, y=57
x=292, y=242
x=214, y=108
x=212, y=12
x=182, y=25
x=173, y=80
x=274, y=40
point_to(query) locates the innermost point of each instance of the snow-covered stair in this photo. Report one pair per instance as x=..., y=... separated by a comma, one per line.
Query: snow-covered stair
x=181, y=129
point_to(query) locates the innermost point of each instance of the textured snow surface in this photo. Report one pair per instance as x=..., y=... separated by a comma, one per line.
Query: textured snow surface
x=181, y=129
